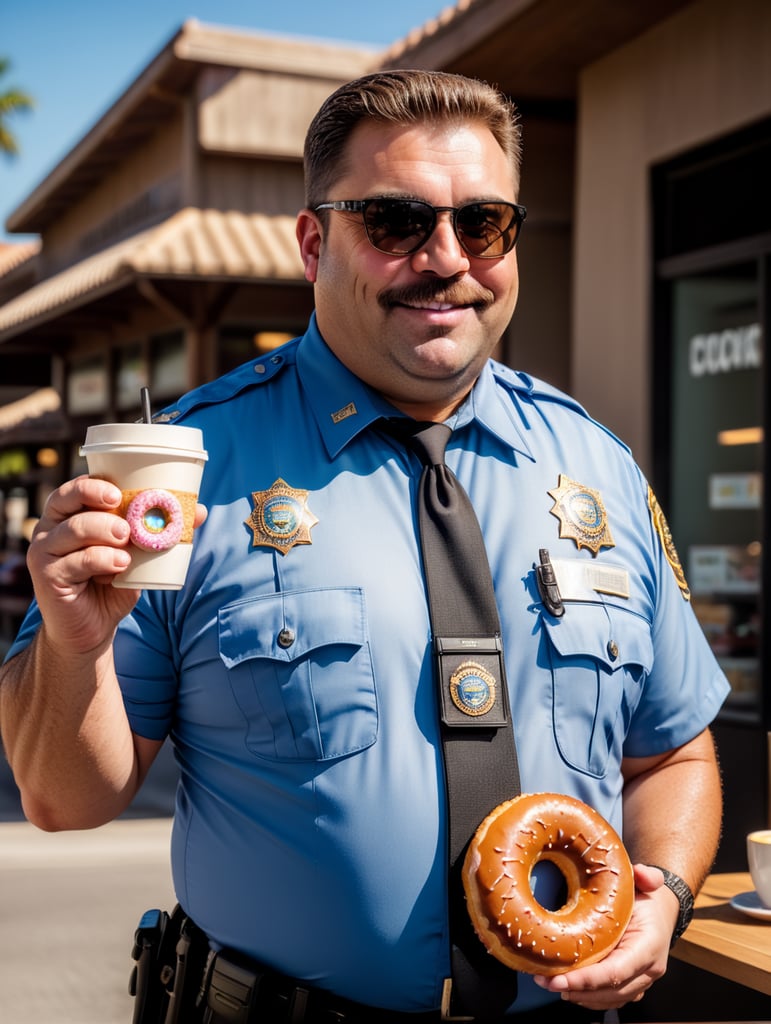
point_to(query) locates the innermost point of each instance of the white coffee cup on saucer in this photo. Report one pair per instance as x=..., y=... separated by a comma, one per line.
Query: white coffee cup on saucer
x=759, y=860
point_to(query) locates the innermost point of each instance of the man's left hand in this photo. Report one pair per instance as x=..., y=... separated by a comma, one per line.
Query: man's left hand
x=639, y=959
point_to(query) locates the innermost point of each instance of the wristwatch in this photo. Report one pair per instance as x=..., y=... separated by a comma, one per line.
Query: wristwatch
x=684, y=895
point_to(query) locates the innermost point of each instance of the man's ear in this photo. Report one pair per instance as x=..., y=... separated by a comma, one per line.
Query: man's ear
x=308, y=231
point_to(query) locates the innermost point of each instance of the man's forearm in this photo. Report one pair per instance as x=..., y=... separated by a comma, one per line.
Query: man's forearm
x=673, y=808
x=66, y=736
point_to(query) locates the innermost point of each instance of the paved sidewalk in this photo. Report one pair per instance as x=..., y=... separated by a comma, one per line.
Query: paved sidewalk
x=69, y=904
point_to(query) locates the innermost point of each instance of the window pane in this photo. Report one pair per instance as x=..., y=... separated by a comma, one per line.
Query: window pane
x=130, y=378
x=717, y=452
x=87, y=387
x=169, y=364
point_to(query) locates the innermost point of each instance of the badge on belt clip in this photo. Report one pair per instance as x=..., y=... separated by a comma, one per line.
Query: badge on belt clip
x=472, y=689
x=281, y=517
x=581, y=514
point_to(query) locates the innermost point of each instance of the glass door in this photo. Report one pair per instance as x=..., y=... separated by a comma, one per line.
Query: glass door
x=716, y=468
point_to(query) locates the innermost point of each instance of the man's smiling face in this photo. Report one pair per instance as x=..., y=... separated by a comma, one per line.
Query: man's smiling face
x=417, y=328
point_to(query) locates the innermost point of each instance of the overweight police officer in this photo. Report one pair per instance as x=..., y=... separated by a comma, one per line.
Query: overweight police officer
x=293, y=671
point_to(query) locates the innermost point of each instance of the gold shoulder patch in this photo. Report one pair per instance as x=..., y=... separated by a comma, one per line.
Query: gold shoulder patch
x=662, y=529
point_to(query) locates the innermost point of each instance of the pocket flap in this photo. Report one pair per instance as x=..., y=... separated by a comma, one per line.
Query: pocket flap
x=611, y=635
x=288, y=626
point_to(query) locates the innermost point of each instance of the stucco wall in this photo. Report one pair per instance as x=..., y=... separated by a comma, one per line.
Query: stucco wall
x=538, y=339
x=697, y=76
x=258, y=113
x=146, y=183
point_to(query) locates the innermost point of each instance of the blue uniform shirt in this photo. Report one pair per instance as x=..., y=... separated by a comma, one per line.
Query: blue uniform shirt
x=296, y=681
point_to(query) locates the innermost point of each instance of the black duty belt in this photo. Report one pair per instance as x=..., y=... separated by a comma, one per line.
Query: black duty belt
x=179, y=979
x=233, y=994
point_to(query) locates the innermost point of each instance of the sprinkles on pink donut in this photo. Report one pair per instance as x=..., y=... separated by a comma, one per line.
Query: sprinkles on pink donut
x=156, y=519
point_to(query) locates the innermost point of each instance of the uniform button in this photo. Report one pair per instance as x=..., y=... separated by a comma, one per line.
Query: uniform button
x=612, y=649
x=275, y=360
x=259, y=368
x=286, y=637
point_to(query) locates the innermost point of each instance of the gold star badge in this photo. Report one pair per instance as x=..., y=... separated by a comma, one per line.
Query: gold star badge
x=581, y=514
x=281, y=517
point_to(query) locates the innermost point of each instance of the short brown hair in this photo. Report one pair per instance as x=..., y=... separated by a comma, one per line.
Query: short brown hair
x=402, y=97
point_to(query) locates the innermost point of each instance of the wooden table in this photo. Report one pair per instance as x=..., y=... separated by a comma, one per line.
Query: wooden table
x=725, y=941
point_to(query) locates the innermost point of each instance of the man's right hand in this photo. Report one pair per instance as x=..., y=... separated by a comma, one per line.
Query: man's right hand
x=77, y=548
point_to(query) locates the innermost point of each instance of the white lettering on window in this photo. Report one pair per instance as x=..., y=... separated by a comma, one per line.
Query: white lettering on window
x=738, y=348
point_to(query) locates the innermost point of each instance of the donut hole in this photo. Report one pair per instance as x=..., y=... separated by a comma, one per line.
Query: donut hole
x=548, y=885
x=155, y=519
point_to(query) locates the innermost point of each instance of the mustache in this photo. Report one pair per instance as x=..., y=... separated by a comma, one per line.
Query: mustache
x=453, y=292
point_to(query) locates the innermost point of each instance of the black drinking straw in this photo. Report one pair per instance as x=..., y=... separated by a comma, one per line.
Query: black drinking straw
x=147, y=416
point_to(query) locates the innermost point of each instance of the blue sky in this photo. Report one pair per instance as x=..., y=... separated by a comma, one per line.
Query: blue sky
x=76, y=57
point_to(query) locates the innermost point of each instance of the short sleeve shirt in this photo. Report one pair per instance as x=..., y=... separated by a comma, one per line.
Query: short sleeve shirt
x=293, y=671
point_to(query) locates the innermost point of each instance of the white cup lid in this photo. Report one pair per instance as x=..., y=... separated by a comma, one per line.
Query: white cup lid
x=145, y=437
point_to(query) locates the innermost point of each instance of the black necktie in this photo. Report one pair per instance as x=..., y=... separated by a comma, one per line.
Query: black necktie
x=480, y=759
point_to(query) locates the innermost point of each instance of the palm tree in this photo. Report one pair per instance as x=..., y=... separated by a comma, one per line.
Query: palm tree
x=11, y=102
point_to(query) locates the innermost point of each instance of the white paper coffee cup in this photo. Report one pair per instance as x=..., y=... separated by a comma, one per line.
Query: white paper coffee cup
x=158, y=468
x=759, y=859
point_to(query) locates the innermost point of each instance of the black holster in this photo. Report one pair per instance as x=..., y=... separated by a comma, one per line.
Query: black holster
x=165, y=950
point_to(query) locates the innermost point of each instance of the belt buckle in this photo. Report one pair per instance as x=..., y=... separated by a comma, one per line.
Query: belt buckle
x=446, y=1013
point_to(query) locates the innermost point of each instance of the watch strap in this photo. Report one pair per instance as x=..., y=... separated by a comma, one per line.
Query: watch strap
x=685, y=898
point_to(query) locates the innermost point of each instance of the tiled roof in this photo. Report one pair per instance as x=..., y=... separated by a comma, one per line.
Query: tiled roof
x=32, y=406
x=191, y=244
x=13, y=254
x=443, y=19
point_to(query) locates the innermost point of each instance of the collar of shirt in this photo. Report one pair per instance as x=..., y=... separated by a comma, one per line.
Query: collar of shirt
x=343, y=405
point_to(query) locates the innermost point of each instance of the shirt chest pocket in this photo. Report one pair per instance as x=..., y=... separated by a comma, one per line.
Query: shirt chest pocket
x=300, y=670
x=599, y=655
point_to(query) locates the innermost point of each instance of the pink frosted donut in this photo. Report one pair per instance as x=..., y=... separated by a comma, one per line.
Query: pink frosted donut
x=156, y=520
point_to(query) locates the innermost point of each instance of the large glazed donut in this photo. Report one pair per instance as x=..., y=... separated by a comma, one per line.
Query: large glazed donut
x=156, y=519
x=509, y=920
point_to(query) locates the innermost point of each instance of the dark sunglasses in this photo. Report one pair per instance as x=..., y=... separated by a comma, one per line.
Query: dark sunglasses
x=399, y=227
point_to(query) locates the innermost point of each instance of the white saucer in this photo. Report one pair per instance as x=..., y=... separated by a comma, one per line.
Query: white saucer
x=749, y=903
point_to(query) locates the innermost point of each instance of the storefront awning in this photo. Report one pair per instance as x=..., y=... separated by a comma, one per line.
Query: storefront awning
x=31, y=407
x=35, y=418
x=193, y=244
